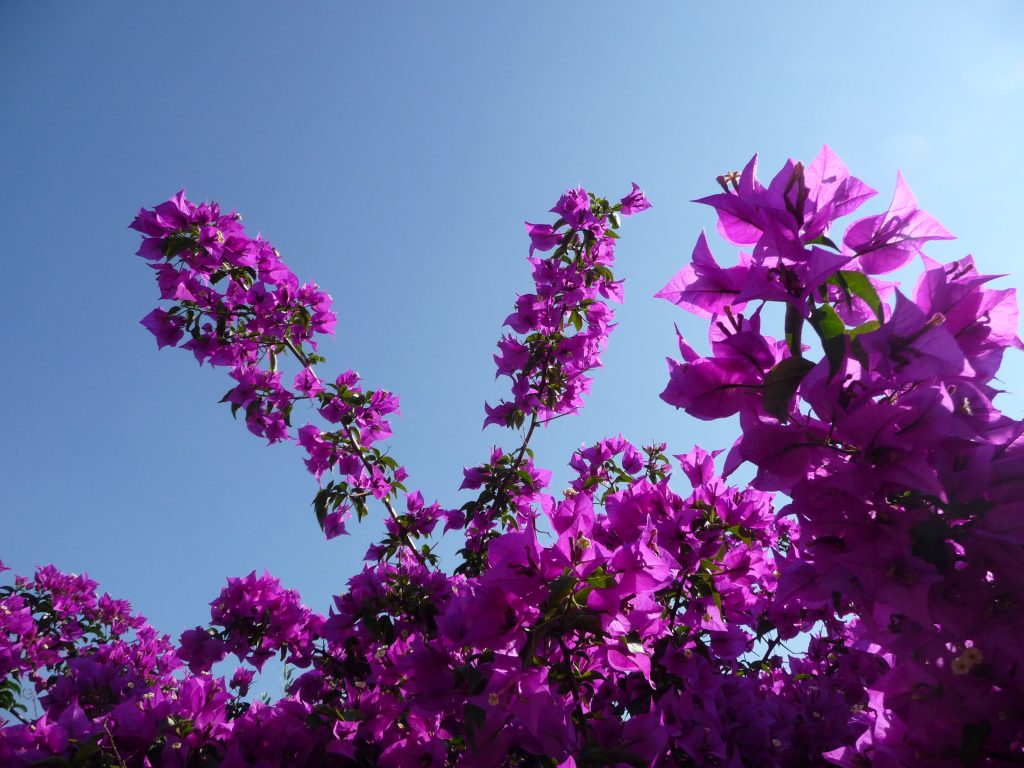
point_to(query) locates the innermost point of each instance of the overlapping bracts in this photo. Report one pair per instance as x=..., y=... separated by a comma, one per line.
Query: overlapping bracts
x=903, y=474
x=625, y=622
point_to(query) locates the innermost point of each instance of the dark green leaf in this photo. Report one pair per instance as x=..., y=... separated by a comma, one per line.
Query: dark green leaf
x=585, y=621
x=822, y=240
x=868, y=327
x=526, y=479
x=781, y=384
x=972, y=741
x=560, y=589
x=853, y=283
x=929, y=542
x=835, y=353
x=826, y=322
x=474, y=718
x=57, y=762
x=601, y=579
x=84, y=752
x=633, y=643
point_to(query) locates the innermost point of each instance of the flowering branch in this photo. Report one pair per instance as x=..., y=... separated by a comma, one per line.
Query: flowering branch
x=549, y=369
x=653, y=628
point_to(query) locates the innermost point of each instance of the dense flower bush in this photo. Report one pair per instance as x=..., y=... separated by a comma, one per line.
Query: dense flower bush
x=653, y=629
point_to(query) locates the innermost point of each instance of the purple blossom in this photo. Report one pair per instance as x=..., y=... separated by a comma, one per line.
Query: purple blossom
x=634, y=202
x=167, y=329
x=642, y=626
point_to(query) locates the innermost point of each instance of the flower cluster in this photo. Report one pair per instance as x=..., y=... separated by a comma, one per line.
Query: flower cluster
x=626, y=639
x=235, y=300
x=565, y=325
x=254, y=618
x=363, y=470
x=92, y=666
x=905, y=477
x=625, y=622
x=241, y=306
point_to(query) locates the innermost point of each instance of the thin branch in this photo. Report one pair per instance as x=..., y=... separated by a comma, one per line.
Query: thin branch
x=386, y=501
x=15, y=714
x=113, y=745
x=299, y=354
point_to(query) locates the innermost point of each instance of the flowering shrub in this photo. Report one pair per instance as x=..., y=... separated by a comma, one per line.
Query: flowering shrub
x=652, y=630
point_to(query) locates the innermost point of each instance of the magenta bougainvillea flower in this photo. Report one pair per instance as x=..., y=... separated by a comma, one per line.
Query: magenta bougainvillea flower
x=636, y=618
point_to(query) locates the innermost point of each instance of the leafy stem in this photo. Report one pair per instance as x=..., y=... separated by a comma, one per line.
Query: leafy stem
x=301, y=356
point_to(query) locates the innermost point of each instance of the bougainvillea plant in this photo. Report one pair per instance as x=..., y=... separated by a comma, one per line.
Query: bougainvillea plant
x=652, y=630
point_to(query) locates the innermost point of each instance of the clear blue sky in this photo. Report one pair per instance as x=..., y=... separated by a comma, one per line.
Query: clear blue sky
x=391, y=151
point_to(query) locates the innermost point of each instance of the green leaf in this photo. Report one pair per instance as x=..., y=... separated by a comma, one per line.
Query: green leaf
x=781, y=384
x=822, y=240
x=826, y=322
x=56, y=762
x=584, y=621
x=320, y=505
x=528, y=655
x=832, y=331
x=868, y=327
x=474, y=717
x=560, y=589
x=633, y=643
x=972, y=741
x=928, y=542
x=84, y=752
x=835, y=353
x=601, y=579
x=595, y=755
x=853, y=283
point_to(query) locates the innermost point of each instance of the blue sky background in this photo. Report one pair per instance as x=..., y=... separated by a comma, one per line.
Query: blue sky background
x=392, y=151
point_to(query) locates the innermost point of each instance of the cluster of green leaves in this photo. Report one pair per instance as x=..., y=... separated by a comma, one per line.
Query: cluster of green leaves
x=505, y=481
x=837, y=340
